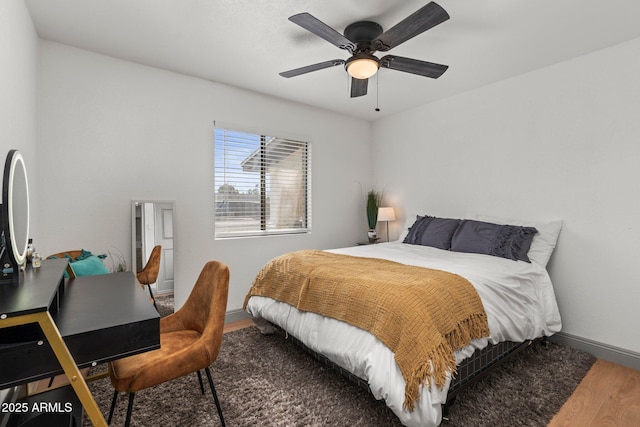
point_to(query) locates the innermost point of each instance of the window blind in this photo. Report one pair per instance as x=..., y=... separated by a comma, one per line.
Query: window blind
x=262, y=184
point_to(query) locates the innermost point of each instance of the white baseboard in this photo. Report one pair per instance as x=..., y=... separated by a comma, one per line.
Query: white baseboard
x=613, y=354
x=235, y=315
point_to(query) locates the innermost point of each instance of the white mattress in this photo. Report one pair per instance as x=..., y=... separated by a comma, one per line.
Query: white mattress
x=518, y=298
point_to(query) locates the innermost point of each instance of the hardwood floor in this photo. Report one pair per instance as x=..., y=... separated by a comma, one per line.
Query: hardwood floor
x=234, y=326
x=609, y=395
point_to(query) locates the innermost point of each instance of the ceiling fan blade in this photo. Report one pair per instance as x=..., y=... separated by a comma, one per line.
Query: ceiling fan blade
x=414, y=66
x=320, y=29
x=359, y=87
x=310, y=68
x=420, y=21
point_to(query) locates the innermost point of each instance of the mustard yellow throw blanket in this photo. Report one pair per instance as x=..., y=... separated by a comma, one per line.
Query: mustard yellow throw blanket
x=422, y=315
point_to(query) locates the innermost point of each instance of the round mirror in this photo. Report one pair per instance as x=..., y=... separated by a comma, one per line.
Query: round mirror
x=15, y=201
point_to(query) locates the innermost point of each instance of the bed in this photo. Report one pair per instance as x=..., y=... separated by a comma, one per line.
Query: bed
x=517, y=297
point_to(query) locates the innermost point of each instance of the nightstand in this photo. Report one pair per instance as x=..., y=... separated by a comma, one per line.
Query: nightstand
x=367, y=243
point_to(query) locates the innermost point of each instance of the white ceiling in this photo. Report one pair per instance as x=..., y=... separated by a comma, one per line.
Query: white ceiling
x=246, y=43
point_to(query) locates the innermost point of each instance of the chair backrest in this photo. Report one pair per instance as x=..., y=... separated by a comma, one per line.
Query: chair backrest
x=149, y=273
x=206, y=307
x=68, y=254
x=73, y=254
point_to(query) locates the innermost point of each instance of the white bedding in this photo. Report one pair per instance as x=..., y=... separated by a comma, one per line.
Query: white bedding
x=518, y=298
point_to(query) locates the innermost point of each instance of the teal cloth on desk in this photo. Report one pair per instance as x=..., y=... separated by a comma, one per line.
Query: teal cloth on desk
x=87, y=264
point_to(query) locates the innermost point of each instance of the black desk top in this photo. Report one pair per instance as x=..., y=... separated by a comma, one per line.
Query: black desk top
x=100, y=302
x=100, y=318
x=35, y=292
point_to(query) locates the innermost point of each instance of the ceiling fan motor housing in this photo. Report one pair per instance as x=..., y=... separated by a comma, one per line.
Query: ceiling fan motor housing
x=362, y=33
x=362, y=64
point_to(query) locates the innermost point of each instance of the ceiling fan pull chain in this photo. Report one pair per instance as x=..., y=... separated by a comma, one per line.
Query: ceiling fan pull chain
x=378, y=92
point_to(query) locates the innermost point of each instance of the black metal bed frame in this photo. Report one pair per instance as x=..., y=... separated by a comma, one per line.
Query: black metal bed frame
x=480, y=364
x=471, y=370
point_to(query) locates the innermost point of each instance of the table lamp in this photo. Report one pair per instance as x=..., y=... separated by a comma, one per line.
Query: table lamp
x=386, y=214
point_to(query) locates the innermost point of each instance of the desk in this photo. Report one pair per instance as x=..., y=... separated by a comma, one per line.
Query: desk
x=50, y=326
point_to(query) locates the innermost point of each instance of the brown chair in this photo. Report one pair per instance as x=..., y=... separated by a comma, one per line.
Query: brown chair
x=190, y=340
x=68, y=254
x=149, y=274
x=72, y=254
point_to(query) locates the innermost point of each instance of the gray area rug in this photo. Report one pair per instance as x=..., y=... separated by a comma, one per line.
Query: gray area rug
x=164, y=303
x=268, y=381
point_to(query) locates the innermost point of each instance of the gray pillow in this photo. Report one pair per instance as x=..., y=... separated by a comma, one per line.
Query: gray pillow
x=505, y=241
x=432, y=231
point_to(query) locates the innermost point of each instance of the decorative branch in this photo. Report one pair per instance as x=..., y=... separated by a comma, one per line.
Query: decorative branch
x=118, y=263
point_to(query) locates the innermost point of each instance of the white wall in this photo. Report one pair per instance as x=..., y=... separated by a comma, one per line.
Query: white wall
x=562, y=142
x=112, y=131
x=18, y=100
x=18, y=92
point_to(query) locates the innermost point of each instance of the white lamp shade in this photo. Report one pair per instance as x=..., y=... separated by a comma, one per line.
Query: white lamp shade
x=386, y=214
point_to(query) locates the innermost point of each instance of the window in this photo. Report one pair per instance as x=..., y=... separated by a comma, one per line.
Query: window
x=262, y=185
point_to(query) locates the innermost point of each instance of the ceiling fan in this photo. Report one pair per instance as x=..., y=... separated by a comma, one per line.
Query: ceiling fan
x=363, y=38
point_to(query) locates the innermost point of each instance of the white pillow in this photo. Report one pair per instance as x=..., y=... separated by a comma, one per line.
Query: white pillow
x=408, y=222
x=544, y=242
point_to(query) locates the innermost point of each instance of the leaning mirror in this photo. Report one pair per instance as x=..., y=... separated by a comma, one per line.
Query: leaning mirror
x=15, y=217
x=152, y=225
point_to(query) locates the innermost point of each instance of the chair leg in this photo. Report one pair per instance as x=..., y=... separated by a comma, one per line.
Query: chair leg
x=152, y=297
x=129, y=410
x=215, y=395
x=200, y=381
x=113, y=406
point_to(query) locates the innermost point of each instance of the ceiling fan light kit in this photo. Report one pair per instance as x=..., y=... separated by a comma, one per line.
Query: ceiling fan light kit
x=363, y=38
x=362, y=66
